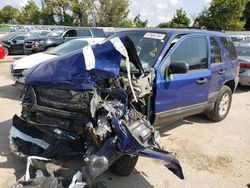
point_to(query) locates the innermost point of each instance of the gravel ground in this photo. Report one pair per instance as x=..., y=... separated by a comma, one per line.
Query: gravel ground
x=213, y=155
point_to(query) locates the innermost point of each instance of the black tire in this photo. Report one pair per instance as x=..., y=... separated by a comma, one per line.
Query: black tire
x=124, y=165
x=216, y=114
x=6, y=50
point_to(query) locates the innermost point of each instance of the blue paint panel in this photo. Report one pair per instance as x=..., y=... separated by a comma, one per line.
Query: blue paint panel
x=69, y=71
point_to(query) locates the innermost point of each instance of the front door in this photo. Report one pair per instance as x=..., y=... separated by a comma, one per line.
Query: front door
x=218, y=67
x=179, y=95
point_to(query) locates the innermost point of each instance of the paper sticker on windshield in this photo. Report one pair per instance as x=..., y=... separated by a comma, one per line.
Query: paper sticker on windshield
x=159, y=36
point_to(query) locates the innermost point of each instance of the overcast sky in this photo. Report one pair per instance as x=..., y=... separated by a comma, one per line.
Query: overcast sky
x=155, y=11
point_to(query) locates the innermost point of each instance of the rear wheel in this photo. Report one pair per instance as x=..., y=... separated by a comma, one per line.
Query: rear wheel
x=222, y=105
x=124, y=165
x=6, y=51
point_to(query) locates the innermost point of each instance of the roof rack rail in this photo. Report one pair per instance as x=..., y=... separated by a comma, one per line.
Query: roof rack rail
x=202, y=28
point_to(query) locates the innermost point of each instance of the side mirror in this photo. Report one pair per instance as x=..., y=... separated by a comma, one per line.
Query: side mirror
x=14, y=41
x=178, y=67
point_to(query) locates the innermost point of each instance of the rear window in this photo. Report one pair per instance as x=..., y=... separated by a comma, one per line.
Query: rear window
x=98, y=32
x=83, y=32
x=229, y=46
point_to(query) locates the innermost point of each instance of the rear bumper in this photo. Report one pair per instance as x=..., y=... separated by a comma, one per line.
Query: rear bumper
x=244, y=77
x=236, y=80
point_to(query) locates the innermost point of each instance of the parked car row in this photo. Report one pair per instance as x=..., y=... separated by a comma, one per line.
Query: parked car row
x=38, y=41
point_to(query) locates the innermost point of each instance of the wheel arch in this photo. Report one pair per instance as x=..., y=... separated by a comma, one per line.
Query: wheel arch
x=231, y=84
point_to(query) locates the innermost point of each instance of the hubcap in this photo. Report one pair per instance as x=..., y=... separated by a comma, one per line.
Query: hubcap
x=224, y=104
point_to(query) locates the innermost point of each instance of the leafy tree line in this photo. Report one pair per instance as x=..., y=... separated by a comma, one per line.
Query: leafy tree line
x=219, y=15
x=104, y=13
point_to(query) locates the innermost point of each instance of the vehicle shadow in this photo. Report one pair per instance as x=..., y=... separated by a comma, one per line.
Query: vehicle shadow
x=10, y=92
x=134, y=180
x=242, y=89
x=190, y=120
x=7, y=159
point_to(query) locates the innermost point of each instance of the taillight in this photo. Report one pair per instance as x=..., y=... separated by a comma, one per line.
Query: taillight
x=245, y=65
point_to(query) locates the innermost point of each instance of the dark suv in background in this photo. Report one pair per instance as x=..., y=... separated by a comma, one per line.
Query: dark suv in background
x=59, y=36
x=13, y=42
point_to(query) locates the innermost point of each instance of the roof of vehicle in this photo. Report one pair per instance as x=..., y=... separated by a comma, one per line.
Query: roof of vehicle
x=90, y=38
x=174, y=31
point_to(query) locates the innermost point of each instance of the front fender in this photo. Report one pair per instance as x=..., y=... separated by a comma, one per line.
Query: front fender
x=127, y=143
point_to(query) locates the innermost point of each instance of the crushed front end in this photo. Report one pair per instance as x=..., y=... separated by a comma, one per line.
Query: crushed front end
x=96, y=122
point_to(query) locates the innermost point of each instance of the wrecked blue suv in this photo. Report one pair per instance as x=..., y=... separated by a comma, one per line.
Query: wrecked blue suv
x=101, y=103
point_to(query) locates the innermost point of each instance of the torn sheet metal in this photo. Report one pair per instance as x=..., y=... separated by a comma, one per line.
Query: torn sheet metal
x=29, y=162
x=15, y=133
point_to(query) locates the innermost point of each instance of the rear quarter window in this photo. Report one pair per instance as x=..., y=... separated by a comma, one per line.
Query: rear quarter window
x=83, y=32
x=98, y=32
x=229, y=46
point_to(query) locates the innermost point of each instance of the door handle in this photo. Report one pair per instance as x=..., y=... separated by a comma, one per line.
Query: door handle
x=201, y=81
x=221, y=72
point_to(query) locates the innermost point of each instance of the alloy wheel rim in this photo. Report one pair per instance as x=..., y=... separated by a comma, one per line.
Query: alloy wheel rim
x=224, y=104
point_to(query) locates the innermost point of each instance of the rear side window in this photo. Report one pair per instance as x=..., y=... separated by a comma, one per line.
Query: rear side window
x=83, y=32
x=192, y=51
x=20, y=37
x=229, y=46
x=98, y=32
x=215, y=51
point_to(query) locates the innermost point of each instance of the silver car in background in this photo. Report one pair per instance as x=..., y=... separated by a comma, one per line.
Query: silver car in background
x=244, y=58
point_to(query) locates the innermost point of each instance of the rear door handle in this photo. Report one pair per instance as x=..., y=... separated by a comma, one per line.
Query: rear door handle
x=201, y=81
x=221, y=71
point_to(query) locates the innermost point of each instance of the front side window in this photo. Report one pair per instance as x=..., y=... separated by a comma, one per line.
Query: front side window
x=192, y=51
x=215, y=51
x=70, y=33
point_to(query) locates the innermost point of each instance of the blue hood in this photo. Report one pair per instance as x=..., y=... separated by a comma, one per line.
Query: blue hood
x=70, y=72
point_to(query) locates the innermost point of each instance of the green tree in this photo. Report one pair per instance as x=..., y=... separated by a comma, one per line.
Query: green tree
x=47, y=13
x=163, y=25
x=8, y=14
x=56, y=12
x=109, y=13
x=137, y=22
x=222, y=15
x=180, y=19
x=30, y=14
x=246, y=16
x=80, y=10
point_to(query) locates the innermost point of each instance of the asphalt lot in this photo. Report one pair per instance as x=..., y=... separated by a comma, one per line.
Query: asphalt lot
x=213, y=155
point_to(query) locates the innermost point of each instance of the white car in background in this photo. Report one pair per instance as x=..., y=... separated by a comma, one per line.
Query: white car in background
x=20, y=65
x=244, y=59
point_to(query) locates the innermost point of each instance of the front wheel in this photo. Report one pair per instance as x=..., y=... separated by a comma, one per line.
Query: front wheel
x=124, y=165
x=222, y=105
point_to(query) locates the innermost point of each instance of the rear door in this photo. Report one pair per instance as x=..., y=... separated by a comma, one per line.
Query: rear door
x=218, y=67
x=17, y=44
x=179, y=95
